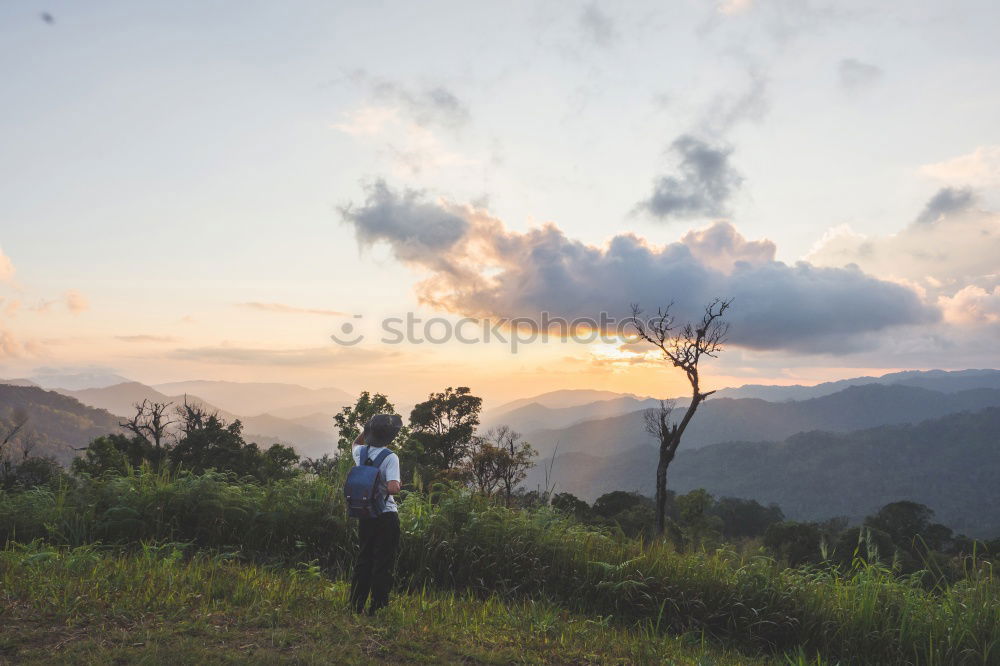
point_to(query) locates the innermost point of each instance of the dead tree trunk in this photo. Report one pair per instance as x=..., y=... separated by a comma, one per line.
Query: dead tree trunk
x=683, y=348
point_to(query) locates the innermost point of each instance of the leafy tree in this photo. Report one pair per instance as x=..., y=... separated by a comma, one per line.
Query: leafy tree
x=351, y=420
x=36, y=471
x=113, y=454
x=683, y=347
x=611, y=504
x=796, y=543
x=210, y=443
x=697, y=523
x=745, y=518
x=444, y=426
x=572, y=505
x=869, y=544
x=909, y=526
x=631, y=512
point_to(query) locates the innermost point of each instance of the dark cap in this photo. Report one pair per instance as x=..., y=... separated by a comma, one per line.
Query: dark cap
x=382, y=429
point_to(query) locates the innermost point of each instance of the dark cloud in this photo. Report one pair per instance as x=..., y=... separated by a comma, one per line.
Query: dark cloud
x=598, y=26
x=428, y=105
x=417, y=231
x=703, y=186
x=946, y=201
x=487, y=270
x=856, y=75
x=729, y=109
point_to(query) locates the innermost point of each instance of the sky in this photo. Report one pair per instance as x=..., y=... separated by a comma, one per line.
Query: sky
x=213, y=189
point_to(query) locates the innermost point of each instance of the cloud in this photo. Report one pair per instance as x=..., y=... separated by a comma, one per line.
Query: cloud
x=9, y=346
x=705, y=183
x=12, y=347
x=6, y=268
x=598, y=26
x=856, y=76
x=416, y=231
x=947, y=201
x=733, y=7
x=726, y=110
x=289, y=309
x=475, y=266
x=367, y=121
x=425, y=106
x=950, y=245
x=301, y=357
x=980, y=168
x=75, y=301
x=145, y=338
x=972, y=305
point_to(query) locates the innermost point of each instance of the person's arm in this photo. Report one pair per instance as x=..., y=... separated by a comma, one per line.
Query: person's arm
x=392, y=477
x=360, y=439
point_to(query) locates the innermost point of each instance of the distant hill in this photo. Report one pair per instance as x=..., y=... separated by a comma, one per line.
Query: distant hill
x=951, y=464
x=60, y=422
x=559, y=400
x=261, y=397
x=934, y=380
x=77, y=381
x=265, y=429
x=542, y=412
x=18, y=382
x=121, y=398
x=534, y=416
x=751, y=419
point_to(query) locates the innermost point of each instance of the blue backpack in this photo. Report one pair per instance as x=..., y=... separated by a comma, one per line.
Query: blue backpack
x=361, y=487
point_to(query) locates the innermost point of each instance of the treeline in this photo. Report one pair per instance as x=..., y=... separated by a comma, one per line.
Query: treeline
x=441, y=445
x=901, y=535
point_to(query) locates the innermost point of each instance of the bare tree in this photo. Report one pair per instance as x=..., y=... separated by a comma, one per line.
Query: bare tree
x=19, y=419
x=193, y=416
x=483, y=465
x=150, y=422
x=684, y=347
x=499, y=460
x=29, y=441
x=515, y=461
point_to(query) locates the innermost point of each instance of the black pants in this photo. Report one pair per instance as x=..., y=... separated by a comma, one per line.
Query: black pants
x=379, y=539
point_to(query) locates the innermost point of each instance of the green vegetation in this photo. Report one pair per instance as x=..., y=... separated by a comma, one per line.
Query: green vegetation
x=138, y=545
x=454, y=540
x=158, y=606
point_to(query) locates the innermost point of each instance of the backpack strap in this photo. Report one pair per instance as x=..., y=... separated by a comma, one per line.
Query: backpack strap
x=382, y=455
x=363, y=455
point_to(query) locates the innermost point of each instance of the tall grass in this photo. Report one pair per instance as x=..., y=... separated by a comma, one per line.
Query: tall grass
x=297, y=519
x=156, y=606
x=461, y=542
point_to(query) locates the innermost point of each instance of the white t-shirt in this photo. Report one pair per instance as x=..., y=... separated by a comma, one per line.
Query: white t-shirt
x=389, y=472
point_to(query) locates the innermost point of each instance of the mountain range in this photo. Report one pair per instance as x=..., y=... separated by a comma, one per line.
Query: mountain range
x=59, y=425
x=951, y=464
x=753, y=419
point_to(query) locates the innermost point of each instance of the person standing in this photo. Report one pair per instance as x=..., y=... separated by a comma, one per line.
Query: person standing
x=378, y=536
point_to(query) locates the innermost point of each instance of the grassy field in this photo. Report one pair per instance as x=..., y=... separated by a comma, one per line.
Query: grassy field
x=602, y=594
x=154, y=606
